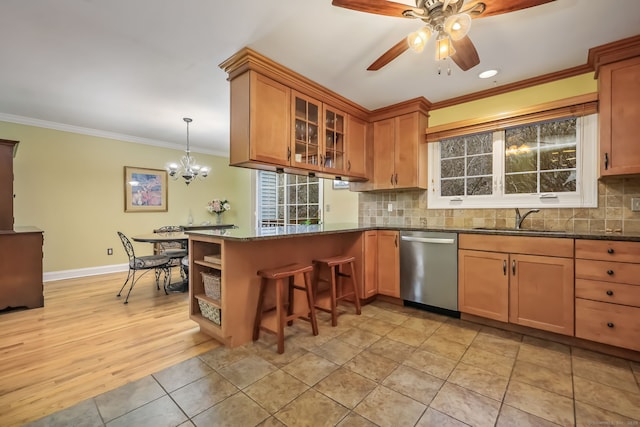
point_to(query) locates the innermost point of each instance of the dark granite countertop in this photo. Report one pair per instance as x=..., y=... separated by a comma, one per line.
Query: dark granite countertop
x=240, y=234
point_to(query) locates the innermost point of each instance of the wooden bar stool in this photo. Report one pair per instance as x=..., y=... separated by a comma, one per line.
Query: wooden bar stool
x=333, y=265
x=278, y=275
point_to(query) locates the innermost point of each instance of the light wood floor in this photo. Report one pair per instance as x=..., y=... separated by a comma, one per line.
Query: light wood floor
x=85, y=342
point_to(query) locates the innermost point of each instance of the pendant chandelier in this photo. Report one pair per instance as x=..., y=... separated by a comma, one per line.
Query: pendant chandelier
x=188, y=169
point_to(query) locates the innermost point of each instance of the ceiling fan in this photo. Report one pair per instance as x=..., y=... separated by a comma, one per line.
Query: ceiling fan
x=447, y=20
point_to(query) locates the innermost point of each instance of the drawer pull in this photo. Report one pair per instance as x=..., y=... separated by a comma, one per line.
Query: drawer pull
x=609, y=292
x=610, y=250
x=610, y=272
x=611, y=325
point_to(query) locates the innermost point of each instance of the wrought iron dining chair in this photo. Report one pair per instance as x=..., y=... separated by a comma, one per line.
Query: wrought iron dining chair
x=174, y=250
x=158, y=263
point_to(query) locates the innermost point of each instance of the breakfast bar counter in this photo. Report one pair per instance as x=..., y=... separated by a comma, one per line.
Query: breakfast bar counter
x=227, y=262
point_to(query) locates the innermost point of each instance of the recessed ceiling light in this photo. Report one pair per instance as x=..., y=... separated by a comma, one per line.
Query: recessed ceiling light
x=487, y=74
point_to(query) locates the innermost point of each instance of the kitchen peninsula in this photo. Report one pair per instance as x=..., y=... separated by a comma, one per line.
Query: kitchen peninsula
x=235, y=255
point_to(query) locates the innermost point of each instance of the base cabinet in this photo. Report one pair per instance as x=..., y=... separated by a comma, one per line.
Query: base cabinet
x=388, y=263
x=483, y=285
x=608, y=292
x=21, y=269
x=369, y=286
x=531, y=285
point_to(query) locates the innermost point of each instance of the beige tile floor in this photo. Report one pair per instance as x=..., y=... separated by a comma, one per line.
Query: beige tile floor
x=391, y=366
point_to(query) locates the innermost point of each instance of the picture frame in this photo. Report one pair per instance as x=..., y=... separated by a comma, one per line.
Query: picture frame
x=340, y=185
x=145, y=190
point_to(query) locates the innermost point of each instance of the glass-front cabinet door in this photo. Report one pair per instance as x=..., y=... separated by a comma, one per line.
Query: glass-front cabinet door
x=307, y=127
x=333, y=157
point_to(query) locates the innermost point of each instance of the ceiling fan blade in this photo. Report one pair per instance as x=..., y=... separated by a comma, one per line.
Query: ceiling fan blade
x=379, y=7
x=390, y=55
x=466, y=55
x=498, y=7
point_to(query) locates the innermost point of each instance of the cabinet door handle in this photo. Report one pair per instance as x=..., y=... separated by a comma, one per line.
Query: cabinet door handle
x=610, y=250
x=610, y=324
x=504, y=267
x=348, y=165
x=606, y=161
x=391, y=179
x=610, y=272
x=395, y=241
x=396, y=179
x=513, y=267
x=288, y=153
x=609, y=292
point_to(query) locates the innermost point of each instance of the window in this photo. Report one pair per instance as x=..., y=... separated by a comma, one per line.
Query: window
x=546, y=164
x=285, y=199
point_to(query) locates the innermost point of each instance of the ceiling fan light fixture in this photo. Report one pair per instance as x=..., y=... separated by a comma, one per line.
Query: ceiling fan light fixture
x=457, y=26
x=418, y=39
x=444, y=47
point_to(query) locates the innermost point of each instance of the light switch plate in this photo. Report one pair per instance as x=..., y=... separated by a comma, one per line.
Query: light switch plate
x=635, y=204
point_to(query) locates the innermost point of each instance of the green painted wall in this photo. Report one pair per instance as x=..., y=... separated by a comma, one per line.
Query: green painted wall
x=71, y=186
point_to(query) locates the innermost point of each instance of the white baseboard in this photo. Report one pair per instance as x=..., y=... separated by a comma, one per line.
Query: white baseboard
x=83, y=272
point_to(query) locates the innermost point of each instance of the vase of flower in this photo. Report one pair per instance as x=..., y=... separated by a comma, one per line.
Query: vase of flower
x=217, y=207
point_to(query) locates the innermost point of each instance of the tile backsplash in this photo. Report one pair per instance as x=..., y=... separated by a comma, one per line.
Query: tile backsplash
x=613, y=214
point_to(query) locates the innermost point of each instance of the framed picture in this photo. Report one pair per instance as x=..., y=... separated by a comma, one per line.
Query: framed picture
x=340, y=185
x=145, y=190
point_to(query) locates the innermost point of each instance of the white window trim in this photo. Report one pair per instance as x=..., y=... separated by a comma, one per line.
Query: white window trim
x=585, y=196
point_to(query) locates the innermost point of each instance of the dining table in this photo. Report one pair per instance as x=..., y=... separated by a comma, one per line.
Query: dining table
x=166, y=237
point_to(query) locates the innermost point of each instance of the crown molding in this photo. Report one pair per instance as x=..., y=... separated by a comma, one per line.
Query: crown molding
x=613, y=52
x=11, y=118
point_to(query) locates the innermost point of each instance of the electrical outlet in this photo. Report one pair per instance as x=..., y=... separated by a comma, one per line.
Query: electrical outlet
x=109, y=251
x=635, y=204
x=328, y=208
x=390, y=207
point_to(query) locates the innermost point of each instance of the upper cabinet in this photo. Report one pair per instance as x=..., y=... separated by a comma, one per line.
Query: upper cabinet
x=619, y=86
x=319, y=136
x=358, y=155
x=400, y=152
x=282, y=121
x=260, y=124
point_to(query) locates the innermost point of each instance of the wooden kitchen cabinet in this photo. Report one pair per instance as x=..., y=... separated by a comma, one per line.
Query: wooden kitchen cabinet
x=369, y=286
x=522, y=280
x=608, y=292
x=619, y=109
x=400, y=152
x=483, y=284
x=388, y=263
x=357, y=147
x=318, y=135
x=284, y=122
x=260, y=121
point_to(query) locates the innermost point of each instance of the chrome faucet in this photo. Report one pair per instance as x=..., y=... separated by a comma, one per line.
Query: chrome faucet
x=520, y=218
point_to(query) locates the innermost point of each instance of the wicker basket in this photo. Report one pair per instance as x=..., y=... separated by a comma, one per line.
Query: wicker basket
x=210, y=312
x=211, y=285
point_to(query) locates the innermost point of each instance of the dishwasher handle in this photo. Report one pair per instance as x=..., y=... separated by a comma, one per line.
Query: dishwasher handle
x=428, y=240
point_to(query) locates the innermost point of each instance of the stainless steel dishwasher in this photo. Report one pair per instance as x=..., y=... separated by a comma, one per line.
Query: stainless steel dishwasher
x=429, y=269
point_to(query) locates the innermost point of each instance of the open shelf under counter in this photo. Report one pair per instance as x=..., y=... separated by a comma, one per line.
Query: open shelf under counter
x=216, y=265
x=214, y=302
